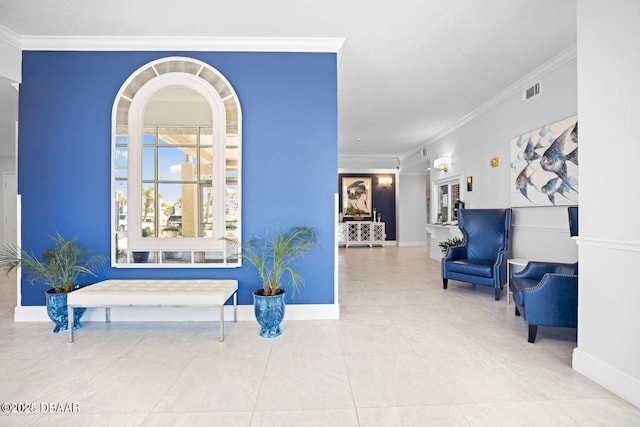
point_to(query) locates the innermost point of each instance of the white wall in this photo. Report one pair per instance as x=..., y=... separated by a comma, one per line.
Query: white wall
x=10, y=72
x=539, y=233
x=8, y=117
x=609, y=250
x=11, y=54
x=412, y=190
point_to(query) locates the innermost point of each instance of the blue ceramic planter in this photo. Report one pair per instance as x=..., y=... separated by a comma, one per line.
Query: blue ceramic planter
x=269, y=312
x=58, y=312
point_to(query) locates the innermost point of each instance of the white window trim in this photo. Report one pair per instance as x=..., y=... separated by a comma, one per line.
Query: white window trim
x=435, y=188
x=136, y=123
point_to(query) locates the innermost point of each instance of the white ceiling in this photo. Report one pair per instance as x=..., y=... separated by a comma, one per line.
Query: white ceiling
x=408, y=70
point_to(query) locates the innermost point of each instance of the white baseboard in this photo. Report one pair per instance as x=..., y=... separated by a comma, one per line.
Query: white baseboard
x=182, y=314
x=618, y=382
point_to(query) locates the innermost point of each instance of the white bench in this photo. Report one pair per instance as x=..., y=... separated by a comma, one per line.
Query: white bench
x=155, y=293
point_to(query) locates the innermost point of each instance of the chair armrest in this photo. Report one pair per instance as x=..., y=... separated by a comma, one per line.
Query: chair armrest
x=554, y=300
x=535, y=270
x=455, y=252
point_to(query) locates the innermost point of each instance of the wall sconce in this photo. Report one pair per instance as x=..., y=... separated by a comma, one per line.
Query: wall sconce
x=442, y=163
x=385, y=181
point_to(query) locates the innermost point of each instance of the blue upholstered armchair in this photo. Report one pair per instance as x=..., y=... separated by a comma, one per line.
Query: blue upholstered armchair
x=482, y=260
x=546, y=294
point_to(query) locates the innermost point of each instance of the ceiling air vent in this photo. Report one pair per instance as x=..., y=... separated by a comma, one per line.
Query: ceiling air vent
x=531, y=92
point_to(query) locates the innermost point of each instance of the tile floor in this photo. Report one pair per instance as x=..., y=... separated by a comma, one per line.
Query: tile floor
x=404, y=353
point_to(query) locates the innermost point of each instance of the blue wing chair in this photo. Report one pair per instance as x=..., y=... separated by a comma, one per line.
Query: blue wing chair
x=482, y=260
x=546, y=294
x=573, y=221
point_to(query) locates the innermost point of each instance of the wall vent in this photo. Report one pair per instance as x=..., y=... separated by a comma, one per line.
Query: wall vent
x=531, y=92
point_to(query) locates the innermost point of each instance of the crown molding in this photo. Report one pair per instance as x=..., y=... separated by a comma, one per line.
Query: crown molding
x=10, y=37
x=206, y=44
x=556, y=62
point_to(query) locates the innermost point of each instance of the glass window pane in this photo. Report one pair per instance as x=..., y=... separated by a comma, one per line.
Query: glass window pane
x=176, y=257
x=207, y=257
x=232, y=159
x=148, y=137
x=170, y=201
x=189, y=209
x=175, y=165
x=206, y=171
x=120, y=198
x=148, y=211
x=148, y=163
x=121, y=162
x=206, y=224
x=178, y=135
x=443, y=200
x=122, y=135
x=231, y=205
x=206, y=136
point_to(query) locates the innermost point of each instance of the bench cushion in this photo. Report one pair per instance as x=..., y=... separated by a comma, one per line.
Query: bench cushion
x=170, y=292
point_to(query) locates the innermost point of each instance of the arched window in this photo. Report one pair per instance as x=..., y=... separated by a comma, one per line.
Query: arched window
x=176, y=162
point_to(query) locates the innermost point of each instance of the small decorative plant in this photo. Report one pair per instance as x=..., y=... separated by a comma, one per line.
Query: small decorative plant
x=451, y=242
x=272, y=255
x=58, y=268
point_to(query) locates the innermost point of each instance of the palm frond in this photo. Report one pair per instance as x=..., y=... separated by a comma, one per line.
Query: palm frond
x=58, y=267
x=272, y=255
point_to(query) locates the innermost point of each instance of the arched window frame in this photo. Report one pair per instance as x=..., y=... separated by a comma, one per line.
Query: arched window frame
x=132, y=100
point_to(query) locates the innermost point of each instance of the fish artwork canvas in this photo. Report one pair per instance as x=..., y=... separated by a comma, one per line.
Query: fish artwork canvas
x=544, y=165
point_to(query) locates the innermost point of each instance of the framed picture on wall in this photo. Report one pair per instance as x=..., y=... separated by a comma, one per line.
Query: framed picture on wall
x=544, y=165
x=356, y=197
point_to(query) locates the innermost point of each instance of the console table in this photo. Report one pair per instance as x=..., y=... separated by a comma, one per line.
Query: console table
x=361, y=233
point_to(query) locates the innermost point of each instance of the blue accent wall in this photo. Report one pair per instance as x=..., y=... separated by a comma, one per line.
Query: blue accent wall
x=290, y=155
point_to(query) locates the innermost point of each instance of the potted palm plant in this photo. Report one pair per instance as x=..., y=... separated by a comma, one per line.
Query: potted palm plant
x=273, y=256
x=59, y=268
x=449, y=243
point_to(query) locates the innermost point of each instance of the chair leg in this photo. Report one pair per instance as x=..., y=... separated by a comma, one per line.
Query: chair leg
x=444, y=283
x=533, y=330
x=517, y=311
x=498, y=293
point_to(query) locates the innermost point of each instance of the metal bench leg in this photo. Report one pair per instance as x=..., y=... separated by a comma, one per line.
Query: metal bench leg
x=221, y=339
x=235, y=307
x=70, y=322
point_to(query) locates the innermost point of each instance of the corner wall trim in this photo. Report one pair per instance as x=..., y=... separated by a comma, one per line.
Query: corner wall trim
x=9, y=37
x=205, y=44
x=618, y=382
